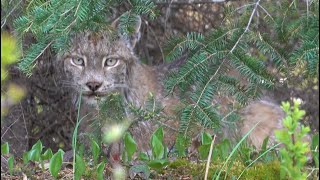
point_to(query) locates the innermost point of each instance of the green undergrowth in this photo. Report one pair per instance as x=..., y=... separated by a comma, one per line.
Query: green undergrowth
x=228, y=160
x=270, y=170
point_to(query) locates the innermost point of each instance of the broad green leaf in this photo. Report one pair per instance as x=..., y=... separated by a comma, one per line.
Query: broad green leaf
x=25, y=157
x=95, y=150
x=206, y=138
x=5, y=148
x=204, y=151
x=143, y=156
x=56, y=163
x=80, y=167
x=130, y=145
x=34, y=155
x=157, y=147
x=140, y=169
x=158, y=163
x=159, y=134
x=38, y=146
x=47, y=154
x=10, y=164
x=100, y=169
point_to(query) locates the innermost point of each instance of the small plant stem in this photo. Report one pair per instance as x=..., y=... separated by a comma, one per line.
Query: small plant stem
x=74, y=137
x=209, y=158
x=293, y=158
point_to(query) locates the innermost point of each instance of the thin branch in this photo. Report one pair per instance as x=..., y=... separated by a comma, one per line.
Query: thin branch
x=266, y=12
x=167, y=16
x=248, y=25
x=209, y=158
x=5, y=19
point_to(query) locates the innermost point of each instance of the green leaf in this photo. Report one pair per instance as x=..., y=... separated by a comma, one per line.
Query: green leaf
x=158, y=164
x=157, y=147
x=140, y=169
x=143, y=156
x=156, y=144
x=10, y=164
x=34, y=155
x=80, y=167
x=265, y=144
x=35, y=152
x=47, y=154
x=315, y=149
x=5, y=148
x=56, y=163
x=159, y=133
x=130, y=145
x=206, y=138
x=100, y=169
x=204, y=151
x=38, y=146
x=25, y=157
x=95, y=150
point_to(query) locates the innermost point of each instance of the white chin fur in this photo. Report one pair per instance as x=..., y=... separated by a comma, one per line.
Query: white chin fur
x=92, y=101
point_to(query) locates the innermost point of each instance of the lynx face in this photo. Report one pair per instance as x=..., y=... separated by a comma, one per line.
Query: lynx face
x=98, y=64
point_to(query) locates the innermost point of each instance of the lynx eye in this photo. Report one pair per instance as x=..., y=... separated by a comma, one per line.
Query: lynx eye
x=78, y=61
x=110, y=62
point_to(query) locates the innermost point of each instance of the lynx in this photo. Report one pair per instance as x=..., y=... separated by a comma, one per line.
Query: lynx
x=98, y=64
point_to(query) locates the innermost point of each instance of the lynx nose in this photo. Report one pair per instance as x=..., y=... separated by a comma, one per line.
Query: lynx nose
x=93, y=86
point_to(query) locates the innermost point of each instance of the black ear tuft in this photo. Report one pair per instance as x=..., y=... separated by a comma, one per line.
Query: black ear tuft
x=130, y=34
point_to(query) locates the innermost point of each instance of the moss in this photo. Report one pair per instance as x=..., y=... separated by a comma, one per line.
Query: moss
x=258, y=171
x=263, y=171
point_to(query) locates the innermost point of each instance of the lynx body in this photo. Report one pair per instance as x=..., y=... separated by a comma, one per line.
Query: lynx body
x=98, y=64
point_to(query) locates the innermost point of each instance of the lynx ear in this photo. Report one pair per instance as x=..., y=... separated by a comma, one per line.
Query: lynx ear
x=134, y=36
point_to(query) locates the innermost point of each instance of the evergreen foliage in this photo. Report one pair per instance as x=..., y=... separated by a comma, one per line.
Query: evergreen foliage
x=53, y=22
x=282, y=34
x=250, y=39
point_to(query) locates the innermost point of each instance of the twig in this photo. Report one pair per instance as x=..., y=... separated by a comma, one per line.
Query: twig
x=248, y=25
x=167, y=16
x=266, y=12
x=24, y=120
x=312, y=170
x=13, y=9
x=8, y=128
x=209, y=158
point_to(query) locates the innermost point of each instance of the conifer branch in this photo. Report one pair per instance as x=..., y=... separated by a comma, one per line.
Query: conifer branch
x=247, y=27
